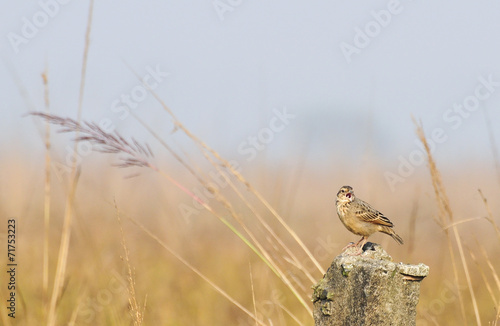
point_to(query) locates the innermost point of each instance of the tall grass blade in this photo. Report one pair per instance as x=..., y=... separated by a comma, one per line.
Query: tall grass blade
x=46, y=201
x=68, y=216
x=447, y=217
x=196, y=271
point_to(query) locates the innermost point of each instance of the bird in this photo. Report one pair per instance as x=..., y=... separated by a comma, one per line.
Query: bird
x=362, y=219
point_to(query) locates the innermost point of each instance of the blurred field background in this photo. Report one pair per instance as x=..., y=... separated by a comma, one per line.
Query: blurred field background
x=96, y=285
x=271, y=89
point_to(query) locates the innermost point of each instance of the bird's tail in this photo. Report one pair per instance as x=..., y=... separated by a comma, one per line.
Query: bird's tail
x=397, y=238
x=393, y=234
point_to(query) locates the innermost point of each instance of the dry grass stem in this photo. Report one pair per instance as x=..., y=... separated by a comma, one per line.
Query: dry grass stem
x=190, y=169
x=85, y=59
x=289, y=313
x=63, y=251
x=493, y=145
x=68, y=216
x=295, y=261
x=464, y=221
x=490, y=265
x=46, y=201
x=446, y=216
x=490, y=215
x=483, y=276
x=264, y=254
x=232, y=170
x=136, y=312
x=139, y=155
x=253, y=292
x=412, y=224
x=74, y=314
x=196, y=271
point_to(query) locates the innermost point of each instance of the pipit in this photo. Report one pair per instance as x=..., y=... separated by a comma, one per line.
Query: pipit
x=362, y=219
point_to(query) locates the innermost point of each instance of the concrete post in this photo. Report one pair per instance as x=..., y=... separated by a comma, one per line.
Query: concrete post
x=369, y=289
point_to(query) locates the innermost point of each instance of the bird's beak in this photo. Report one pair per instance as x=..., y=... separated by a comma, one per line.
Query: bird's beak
x=348, y=195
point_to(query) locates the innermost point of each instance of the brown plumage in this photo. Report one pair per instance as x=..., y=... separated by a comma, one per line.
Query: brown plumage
x=362, y=219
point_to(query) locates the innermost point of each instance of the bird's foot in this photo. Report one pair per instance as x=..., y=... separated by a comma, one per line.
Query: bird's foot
x=351, y=244
x=358, y=252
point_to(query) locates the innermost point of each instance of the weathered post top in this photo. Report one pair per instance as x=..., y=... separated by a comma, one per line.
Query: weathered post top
x=369, y=289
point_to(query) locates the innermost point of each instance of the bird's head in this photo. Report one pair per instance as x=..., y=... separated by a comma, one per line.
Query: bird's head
x=345, y=194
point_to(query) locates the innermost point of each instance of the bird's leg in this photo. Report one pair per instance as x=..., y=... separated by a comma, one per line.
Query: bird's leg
x=362, y=238
x=352, y=244
x=360, y=251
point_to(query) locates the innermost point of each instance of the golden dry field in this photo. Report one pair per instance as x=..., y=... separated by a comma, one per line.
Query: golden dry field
x=127, y=196
x=197, y=241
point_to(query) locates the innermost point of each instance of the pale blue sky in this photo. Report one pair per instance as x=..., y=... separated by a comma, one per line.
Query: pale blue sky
x=223, y=66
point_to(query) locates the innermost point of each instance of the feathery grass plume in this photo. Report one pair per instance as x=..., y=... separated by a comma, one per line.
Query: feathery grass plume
x=218, y=162
x=136, y=154
x=445, y=218
x=207, y=150
x=136, y=312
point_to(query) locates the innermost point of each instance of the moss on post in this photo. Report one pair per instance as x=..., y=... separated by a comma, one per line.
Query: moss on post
x=369, y=289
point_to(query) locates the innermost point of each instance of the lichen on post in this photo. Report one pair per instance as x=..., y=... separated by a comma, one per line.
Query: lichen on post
x=369, y=289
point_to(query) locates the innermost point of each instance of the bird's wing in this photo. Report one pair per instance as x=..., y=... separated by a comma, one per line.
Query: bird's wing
x=368, y=214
